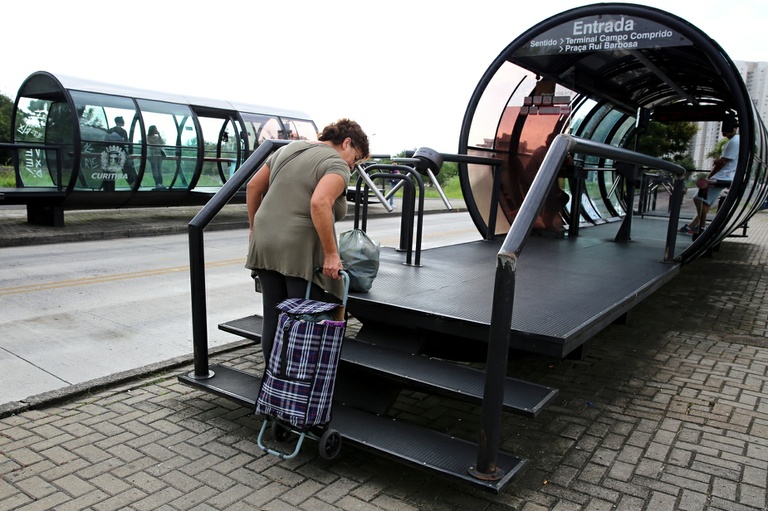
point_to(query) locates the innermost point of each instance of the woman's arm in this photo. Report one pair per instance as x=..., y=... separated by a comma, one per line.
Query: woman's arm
x=254, y=193
x=329, y=188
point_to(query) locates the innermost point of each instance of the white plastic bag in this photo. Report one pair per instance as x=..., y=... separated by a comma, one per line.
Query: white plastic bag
x=360, y=257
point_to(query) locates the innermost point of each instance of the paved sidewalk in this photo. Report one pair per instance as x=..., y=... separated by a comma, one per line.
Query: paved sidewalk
x=669, y=412
x=100, y=224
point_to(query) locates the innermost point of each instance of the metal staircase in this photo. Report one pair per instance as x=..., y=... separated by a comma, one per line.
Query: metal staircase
x=372, y=429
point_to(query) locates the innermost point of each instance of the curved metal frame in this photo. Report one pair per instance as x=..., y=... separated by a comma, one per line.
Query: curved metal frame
x=749, y=188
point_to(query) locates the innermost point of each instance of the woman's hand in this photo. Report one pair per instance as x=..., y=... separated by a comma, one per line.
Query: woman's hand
x=332, y=266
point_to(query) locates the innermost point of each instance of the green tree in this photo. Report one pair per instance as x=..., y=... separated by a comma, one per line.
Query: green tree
x=6, y=108
x=669, y=141
x=717, y=151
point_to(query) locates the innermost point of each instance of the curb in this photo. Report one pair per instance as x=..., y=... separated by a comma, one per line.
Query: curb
x=17, y=233
x=136, y=376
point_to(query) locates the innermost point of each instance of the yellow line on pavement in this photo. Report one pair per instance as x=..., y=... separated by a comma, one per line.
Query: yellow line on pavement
x=86, y=281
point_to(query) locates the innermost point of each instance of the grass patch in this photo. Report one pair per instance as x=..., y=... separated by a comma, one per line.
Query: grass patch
x=451, y=189
x=7, y=178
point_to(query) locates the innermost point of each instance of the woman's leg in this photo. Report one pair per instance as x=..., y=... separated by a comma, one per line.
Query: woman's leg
x=273, y=291
x=157, y=170
x=275, y=287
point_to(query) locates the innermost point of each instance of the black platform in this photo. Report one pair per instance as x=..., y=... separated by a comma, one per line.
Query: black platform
x=566, y=289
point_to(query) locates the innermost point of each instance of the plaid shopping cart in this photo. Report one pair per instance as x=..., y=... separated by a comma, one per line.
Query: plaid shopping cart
x=299, y=379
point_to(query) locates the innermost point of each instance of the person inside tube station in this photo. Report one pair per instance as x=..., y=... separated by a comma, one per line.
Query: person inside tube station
x=718, y=180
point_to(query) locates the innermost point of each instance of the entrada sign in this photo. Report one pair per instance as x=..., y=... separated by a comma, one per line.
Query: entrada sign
x=602, y=33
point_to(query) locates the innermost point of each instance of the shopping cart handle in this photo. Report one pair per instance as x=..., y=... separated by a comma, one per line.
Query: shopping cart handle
x=344, y=277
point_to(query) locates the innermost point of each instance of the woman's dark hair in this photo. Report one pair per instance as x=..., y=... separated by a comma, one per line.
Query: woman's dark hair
x=343, y=128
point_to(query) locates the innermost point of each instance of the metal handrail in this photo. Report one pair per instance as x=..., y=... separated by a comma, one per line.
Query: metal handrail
x=196, y=251
x=506, y=266
x=410, y=178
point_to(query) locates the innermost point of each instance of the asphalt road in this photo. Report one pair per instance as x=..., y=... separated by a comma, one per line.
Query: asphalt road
x=73, y=313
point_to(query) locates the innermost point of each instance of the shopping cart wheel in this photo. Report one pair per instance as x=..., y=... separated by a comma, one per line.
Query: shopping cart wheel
x=280, y=433
x=330, y=444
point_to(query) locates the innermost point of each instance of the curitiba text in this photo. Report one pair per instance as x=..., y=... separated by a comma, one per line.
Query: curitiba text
x=108, y=175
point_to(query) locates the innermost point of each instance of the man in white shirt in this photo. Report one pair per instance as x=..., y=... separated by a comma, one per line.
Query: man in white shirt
x=719, y=179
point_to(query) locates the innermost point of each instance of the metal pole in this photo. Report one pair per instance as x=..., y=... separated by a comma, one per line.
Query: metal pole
x=496, y=370
x=674, y=216
x=368, y=181
x=439, y=189
x=493, y=213
x=199, y=309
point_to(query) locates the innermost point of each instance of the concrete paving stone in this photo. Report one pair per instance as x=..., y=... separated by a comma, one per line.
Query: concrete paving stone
x=387, y=503
x=280, y=505
x=656, y=485
x=754, y=496
x=154, y=500
x=627, y=488
x=629, y=503
x=55, y=472
x=755, y=476
x=195, y=497
x=304, y=491
x=262, y=496
x=718, y=504
x=693, y=501
x=622, y=471
x=596, y=491
x=52, y=501
x=593, y=473
x=600, y=505
x=694, y=482
x=743, y=461
x=16, y=500
x=557, y=493
x=84, y=502
x=630, y=454
x=130, y=471
x=181, y=481
x=230, y=496
x=36, y=487
x=679, y=457
x=660, y=501
x=314, y=504
x=120, y=501
x=92, y=453
x=142, y=479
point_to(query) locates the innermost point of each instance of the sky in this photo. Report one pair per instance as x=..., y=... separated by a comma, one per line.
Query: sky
x=405, y=70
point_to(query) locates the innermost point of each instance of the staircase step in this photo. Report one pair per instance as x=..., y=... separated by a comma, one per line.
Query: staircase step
x=447, y=378
x=248, y=327
x=418, y=447
x=422, y=448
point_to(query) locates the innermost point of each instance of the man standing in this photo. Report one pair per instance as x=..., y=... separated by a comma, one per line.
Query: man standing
x=719, y=179
x=118, y=134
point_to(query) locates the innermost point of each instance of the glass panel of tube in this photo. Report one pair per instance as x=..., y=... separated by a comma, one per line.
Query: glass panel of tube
x=165, y=125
